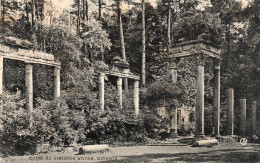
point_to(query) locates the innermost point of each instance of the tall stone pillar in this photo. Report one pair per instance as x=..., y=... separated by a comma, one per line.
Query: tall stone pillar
x=230, y=112
x=29, y=88
x=174, y=122
x=56, y=89
x=1, y=82
x=253, y=117
x=242, y=128
x=102, y=91
x=216, y=99
x=125, y=84
x=174, y=71
x=200, y=98
x=136, y=96
x=120, y=91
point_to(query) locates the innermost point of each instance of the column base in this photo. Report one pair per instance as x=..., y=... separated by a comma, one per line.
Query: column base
x=173, y=133
x=213, y=134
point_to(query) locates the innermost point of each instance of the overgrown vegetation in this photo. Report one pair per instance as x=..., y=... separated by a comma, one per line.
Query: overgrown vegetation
x=81, y=38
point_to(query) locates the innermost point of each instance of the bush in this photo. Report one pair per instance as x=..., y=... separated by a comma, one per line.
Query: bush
x=16, y=137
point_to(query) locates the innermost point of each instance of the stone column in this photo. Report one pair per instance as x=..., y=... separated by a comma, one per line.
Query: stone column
x=253, y=117
x=174, y=71
x=125, y=84
x=200, y=98
x=29, y=88
x=56, y=89
x=136, y=96
x=242, y=128
x=216, y=98
x=120, y=91
x=1, y=82
x=102, y=91
x=230, y=112
x=174, y=122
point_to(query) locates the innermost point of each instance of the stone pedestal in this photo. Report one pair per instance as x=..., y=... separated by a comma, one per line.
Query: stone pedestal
x=242, y=128
x=136, y=96
x=200, y=101
x=253, y=117
x=230, y=112
x=29, y=88
x=120, y=91
x=56, y=89
x=1, y=82
x=102, y=91
x=216, y=101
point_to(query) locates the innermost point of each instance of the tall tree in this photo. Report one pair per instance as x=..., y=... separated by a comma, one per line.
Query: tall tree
x=122, y=41
x=99, y=9
x=121, y=30
x=143, y=43
x=78, y=18
x=169, y=28
x=0, y=9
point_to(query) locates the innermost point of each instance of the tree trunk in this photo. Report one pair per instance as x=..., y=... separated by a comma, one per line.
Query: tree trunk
x=121, y=31
x=36, y=9
x=78, y=21
x=122, y=39
x=169, y=30
x=99, y=9
x=87, y=10
x=27, y=12
x=3, y=13
x=84, y=10
x=143, y=43
x=0, y=9
x=32, y=12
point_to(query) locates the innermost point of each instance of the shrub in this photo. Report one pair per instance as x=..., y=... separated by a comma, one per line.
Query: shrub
x=15, y=137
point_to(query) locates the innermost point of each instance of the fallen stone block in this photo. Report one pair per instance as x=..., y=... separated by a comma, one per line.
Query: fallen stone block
x=207, y=143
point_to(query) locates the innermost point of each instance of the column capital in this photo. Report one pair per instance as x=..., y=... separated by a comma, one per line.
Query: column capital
x=119, y=81
x=57, y=67
x=201, y=59
x=136, y=84
x=173, y=63
x=217, y=63
x=102, y=74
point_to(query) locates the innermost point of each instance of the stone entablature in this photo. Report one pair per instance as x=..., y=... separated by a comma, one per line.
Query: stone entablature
x=119, y=69
x=27, y=55
x=21, y=50
x=189, y=48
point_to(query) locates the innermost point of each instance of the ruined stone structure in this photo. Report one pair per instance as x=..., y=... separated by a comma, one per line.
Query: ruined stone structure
x=119, y=69
x=203, y=51
x=16, y=49
x=184, y=120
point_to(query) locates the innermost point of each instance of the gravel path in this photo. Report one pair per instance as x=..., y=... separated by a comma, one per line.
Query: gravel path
x=168, y=153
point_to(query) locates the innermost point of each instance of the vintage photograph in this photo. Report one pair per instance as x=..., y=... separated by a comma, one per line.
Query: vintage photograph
x=129, y=81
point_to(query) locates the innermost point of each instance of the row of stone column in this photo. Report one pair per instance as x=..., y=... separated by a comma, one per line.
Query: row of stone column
x=243, y=120
x=216, y=105
x=29, y=83
x=120, y=93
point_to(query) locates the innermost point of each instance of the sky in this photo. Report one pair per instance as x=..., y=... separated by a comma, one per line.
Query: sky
x=59, y=5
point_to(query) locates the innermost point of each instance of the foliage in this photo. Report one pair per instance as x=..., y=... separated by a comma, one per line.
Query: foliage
x=164, y=88
x=15, y=137
x=194, y=24
x=95, y=37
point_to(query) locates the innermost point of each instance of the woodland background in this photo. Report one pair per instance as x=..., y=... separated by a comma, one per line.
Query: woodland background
x=83, y=35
